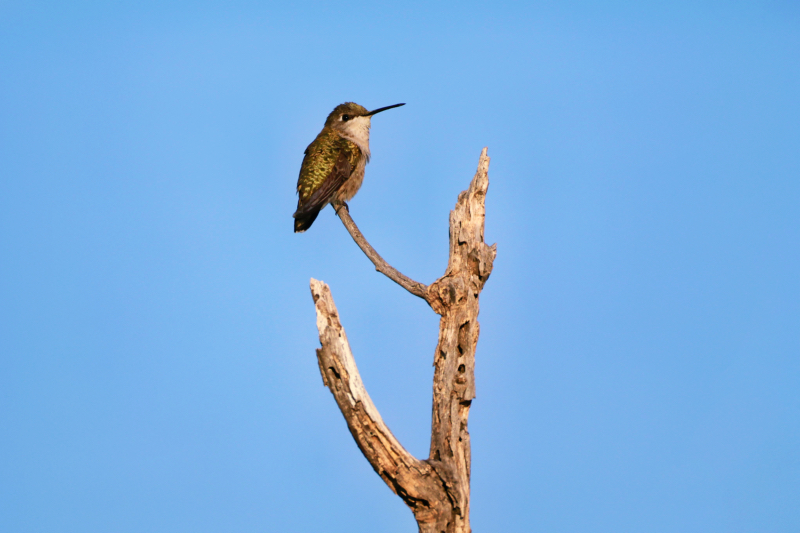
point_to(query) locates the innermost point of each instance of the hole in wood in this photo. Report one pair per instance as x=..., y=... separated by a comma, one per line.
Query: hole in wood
x=463, y=337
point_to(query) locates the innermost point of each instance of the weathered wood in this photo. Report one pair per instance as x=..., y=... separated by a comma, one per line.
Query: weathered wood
x=436, y=489
x=455, y=297
x=415, y=481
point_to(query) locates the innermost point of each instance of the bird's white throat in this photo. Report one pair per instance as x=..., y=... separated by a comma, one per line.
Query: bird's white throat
x=357, y=131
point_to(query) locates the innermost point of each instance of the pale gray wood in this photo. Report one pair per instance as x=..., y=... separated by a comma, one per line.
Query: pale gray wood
x=437, y=488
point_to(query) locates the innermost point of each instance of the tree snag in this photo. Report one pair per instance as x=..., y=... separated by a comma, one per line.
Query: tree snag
x=437, y=488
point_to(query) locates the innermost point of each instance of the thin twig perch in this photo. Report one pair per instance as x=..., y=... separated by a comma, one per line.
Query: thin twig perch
x=437, y=488
x=414, y=287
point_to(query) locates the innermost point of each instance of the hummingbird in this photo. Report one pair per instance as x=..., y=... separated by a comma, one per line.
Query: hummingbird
x=333, y=166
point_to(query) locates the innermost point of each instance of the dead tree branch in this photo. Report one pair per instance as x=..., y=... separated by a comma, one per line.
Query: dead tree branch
x=437, y=488
x=415, y=481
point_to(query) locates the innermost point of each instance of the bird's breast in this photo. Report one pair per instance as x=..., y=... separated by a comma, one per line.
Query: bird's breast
x=351, y=186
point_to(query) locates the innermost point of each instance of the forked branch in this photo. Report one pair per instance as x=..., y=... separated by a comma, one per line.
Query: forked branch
x=413, y=480
x=437, y=488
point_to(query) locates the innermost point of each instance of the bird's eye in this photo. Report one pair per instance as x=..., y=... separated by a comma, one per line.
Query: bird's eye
x=345, y=117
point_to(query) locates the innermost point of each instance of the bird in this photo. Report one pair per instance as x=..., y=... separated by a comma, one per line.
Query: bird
x=333, y=165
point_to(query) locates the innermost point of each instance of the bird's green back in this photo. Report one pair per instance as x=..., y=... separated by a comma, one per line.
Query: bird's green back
x=320, y=158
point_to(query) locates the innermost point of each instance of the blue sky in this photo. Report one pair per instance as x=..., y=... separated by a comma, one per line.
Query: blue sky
x=638, y=368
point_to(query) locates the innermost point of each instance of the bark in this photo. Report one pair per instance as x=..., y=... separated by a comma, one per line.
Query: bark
x=436, y=489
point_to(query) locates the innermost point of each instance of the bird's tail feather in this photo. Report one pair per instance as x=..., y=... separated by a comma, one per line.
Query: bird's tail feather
x=303, y=221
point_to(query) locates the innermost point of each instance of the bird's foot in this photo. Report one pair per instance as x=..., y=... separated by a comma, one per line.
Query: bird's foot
x=339, y=204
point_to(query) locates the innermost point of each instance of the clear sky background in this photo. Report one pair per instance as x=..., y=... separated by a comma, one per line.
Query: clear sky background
x=638, y=368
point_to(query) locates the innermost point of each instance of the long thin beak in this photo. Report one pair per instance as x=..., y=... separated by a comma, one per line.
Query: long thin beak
x=382, y=109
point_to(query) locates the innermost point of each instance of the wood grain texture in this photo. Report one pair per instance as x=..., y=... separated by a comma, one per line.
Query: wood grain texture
x=436, y=489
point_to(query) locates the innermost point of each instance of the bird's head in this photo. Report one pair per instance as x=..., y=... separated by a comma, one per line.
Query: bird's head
x=353, y=120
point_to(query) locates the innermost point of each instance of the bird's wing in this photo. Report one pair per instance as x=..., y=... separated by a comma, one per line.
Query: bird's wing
x=318, y=183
